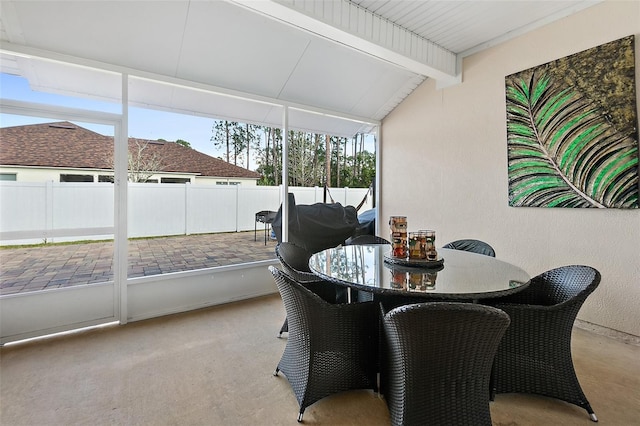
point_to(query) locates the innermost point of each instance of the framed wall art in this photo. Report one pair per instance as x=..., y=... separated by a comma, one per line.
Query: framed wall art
x=572, y=130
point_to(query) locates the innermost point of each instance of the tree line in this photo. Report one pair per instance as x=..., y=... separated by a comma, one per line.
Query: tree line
x=314, y=159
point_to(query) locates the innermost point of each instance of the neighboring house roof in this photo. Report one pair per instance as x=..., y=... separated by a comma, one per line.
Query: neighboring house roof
x=66, y=145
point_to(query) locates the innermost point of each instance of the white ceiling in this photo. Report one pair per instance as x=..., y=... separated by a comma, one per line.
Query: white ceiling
x=356, y=59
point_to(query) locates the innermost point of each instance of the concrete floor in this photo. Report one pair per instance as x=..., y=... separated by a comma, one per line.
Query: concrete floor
x=214, y=367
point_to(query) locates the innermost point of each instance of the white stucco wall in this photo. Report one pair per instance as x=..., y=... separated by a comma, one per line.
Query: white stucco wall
x=444, y=165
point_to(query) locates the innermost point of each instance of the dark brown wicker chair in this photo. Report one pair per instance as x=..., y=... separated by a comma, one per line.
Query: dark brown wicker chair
x=535, y=353
x=437, y=360
x=475, y=246
x=331, y=347
x=295, y=262
x=366, y=239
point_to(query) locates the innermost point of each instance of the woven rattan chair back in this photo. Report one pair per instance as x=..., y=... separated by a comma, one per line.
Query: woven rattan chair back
x=366, y=239
x=331, y=347
x=437, y=362
x=474, y=246
x=535, y=354
x=295, y=262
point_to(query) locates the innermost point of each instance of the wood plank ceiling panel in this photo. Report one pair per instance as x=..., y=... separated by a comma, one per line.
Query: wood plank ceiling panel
x=459, y=26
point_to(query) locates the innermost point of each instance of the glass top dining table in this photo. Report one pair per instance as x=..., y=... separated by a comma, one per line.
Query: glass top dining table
x=460, y=275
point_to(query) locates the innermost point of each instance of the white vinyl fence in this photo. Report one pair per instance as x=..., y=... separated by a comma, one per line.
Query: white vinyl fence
x=32, y=213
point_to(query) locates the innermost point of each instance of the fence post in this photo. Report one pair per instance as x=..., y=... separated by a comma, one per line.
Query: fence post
x=187, y=200
x=48, y=226
x=237, y=207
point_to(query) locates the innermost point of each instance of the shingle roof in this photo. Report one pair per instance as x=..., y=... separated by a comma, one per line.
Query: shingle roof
x=64, y=144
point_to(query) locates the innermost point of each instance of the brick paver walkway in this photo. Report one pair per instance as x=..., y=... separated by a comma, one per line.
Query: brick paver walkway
x=55, y=266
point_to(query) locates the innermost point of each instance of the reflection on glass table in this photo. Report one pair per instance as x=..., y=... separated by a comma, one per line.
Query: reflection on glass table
x=462, y=275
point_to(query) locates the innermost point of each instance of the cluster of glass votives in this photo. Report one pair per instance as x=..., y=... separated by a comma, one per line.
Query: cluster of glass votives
x=419, y=245
x=418, y=280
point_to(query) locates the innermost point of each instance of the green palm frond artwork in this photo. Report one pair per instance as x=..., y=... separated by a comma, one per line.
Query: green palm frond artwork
x=565, y=147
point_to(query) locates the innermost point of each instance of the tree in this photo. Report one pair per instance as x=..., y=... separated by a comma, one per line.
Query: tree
x=327, y=154
x=183, y=143
x=336, y=148
x=252, y=138
x=311, y=162
x=269, y=157
x=238, y=142
x=228, y=134
x=142, y=161
x=301, y=159
x=276, y=154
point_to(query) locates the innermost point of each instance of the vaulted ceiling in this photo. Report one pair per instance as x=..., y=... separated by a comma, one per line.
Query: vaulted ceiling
x=246, y=59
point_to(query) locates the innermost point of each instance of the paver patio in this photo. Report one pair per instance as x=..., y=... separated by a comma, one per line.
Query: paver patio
x=54, y=266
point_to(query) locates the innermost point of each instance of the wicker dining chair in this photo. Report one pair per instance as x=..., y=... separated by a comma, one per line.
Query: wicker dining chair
x=331, y=347
x=535, y=354
x=436, y=362
x=475, y=246
x=366, y=239
x=295, y=262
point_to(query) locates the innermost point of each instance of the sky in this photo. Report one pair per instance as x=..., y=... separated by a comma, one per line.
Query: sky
x=143, y=123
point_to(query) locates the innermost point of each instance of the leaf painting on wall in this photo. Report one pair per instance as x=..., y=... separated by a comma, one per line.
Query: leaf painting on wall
x=572, y=133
